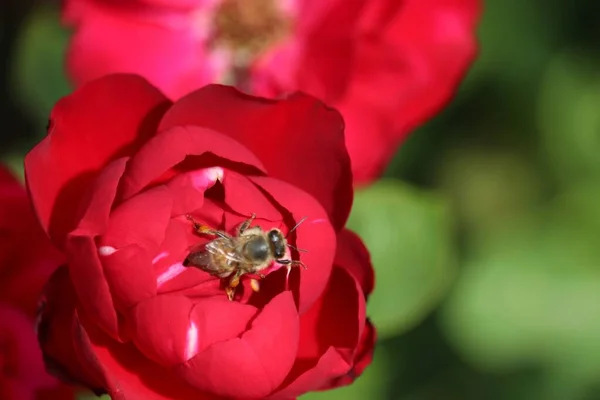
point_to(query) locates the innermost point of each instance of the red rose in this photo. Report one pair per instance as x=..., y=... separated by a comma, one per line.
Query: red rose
x=387, y=65
x=113, y=182
x=27, y=259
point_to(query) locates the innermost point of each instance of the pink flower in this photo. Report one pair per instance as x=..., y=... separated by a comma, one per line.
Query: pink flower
x=387, y=65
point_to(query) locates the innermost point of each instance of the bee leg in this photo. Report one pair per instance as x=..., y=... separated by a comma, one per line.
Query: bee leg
x=233, y=284
x=205, y=229
x=292, y=263
x=246, y=224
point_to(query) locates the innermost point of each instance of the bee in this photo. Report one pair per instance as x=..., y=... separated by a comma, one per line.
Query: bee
x=250, y=251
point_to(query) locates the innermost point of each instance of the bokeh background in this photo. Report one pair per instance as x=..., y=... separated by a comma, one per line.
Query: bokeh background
x=485, y=231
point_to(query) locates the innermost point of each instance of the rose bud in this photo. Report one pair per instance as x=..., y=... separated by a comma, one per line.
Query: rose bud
x=387, y=65
x=27, y=259
x=130, y=185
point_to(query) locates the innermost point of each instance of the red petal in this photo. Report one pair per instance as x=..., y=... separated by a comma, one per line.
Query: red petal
x=253, y=365
x=85, y=267
x=159, y=328
x=132, y=376
x=245, y=198
x=27, y=257
x=331, y=364
x=352, y=255
x=170, y=147
x=297, y=139
x=315, y=235
x=141, y=220
x=90, y=284
x=422, y=52
x=93, y=358
x=330, y=334
x=58, y=334
x=20, y=356
x=161, y=46
x=187, y=189
x=362, y=359
x=171, y=329
x=129, y=275
x=337, y=319
x=101, y=121
x=100, y=198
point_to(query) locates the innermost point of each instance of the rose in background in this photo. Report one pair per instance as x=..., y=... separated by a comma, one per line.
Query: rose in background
x=112, y=183
x=387, y=65
x=27, y=259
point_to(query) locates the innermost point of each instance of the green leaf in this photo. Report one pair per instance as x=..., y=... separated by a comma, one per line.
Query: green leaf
x=530, y=296
x=409, y=235
x=38, y=71
x=489, y=188
x=513, y=56
x=569, y=116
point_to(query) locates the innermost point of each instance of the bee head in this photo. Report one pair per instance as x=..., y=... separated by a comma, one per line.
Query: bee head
x=277, y=242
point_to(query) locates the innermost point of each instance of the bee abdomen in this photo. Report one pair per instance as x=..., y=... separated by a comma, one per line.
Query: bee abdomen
x=199, y=259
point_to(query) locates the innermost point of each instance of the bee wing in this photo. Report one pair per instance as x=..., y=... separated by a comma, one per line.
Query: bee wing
x=203, y=255
x=224, y=248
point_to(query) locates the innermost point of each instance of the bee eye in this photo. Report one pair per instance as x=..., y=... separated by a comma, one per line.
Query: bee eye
x=273, y=236
x=277, y=242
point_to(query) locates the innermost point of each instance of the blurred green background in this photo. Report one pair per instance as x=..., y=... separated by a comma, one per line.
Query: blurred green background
x=484, y=232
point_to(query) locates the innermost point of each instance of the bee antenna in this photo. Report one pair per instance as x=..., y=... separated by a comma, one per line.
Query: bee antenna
x=296, y=226
x=297, y=249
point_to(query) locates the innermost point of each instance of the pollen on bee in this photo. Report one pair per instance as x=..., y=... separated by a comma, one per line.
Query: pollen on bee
x=255, y=285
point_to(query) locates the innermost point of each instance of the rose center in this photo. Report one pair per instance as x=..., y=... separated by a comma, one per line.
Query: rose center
x=249, y=27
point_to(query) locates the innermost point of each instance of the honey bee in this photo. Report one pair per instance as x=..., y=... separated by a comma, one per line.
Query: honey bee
x=250, y=251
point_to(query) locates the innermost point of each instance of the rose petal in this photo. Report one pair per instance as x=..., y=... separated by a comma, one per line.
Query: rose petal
x=255, y=364
x=218, y=319
x=140, y=220
x=130, y=276
x=20, y=355
x=308, y=135
x=132, y=376
x=362, y=359
x=90, y=356
x=27, y=257
x=87, y=130
x=87, y=274
x=242, y=196
x=159, y=327
x=171, y=329
x=57, y=333
x=163, y=48
x=352, y=255
x=187, y=189
x=85, y=267
x=171, y=147
x=99, y=199
x=331, y=364
x=329, y=334
x=337, y=319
